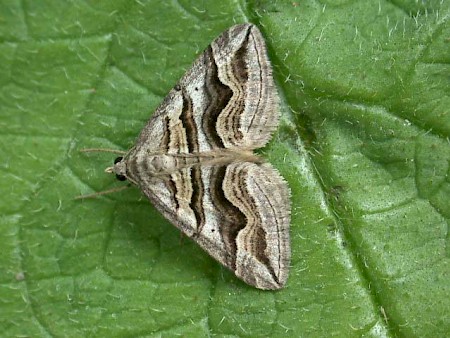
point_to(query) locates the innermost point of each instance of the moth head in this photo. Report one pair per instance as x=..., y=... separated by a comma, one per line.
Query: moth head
x=119, y=169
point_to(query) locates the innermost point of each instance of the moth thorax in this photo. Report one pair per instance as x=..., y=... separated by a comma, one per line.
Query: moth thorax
x=160, y=164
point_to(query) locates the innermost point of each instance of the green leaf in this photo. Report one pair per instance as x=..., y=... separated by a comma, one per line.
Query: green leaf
x=364, y=145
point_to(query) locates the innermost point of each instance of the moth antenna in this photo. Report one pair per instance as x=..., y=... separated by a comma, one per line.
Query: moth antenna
x=103, y=150
x=100, y=193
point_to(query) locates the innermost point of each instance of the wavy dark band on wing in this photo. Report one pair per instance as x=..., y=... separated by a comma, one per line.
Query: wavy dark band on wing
x=255, y=242
x=232, y=219
x=187, y=119
x=195, y=173
x=218, y=95
x=240, y=74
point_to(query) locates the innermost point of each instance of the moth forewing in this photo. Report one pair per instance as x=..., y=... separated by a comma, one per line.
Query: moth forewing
x=194, y=159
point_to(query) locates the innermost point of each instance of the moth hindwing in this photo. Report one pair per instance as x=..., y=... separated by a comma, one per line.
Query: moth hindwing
x=194, y=159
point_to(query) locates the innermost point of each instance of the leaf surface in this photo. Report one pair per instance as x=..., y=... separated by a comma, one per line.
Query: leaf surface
x=363, y=143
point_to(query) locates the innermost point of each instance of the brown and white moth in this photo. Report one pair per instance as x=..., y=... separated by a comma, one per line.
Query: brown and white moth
x=194, y=159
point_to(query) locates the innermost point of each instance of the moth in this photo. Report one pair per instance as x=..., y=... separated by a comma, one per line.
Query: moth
x=194, y=159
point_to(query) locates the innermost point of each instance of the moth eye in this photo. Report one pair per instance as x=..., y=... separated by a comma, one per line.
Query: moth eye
x=177, y=87
x=121, y=177
x=118, y=159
